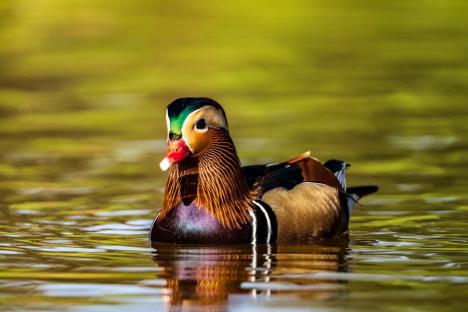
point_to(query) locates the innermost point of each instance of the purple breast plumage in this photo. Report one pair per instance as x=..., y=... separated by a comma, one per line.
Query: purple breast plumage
x=190, y=223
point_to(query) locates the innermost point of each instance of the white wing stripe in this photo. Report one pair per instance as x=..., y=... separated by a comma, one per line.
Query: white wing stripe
x=267, y=217
x=254, y=226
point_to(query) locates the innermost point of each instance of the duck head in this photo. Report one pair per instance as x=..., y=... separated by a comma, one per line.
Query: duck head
x=190, y=123
x=204, y=169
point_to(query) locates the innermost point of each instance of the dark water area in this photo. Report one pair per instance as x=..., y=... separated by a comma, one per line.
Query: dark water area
x=83, y=88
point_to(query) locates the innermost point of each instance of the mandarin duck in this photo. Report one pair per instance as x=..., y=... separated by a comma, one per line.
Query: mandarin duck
x=211, y=199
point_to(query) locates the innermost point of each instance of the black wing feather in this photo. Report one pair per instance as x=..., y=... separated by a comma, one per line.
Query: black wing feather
x=272, y=176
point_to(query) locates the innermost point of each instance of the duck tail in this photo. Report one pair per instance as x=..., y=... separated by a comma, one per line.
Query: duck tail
x=338, y=167
x=357, y=192
x=361, y=191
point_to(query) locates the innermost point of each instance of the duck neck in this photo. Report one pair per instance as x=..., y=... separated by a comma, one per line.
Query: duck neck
x=213, y=180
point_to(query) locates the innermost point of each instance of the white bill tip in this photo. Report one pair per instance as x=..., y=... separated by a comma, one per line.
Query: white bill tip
x=164, y=164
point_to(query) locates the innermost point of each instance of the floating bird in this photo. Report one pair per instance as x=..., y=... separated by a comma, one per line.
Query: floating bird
x=211, y=199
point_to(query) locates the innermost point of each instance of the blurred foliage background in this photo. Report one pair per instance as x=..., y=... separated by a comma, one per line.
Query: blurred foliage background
x=381, y=83
x=83, y=90
x=75, y=67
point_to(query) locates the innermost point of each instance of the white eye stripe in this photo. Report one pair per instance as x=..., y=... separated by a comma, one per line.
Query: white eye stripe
x=168, y=122
x=201, y=130
x=216, y=120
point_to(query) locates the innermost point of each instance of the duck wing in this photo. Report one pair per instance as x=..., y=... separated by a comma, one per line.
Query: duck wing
x=288, y=174
x=309, y=199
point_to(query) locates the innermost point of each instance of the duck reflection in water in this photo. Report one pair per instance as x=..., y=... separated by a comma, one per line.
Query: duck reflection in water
x=209, y=278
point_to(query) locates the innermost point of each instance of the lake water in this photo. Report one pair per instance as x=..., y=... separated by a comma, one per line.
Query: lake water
x=83, y=88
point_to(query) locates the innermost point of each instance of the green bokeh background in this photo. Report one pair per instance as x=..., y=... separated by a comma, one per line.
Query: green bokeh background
x=83, y=89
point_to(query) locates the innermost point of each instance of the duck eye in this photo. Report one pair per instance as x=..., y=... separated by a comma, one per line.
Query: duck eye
x=201, y=124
